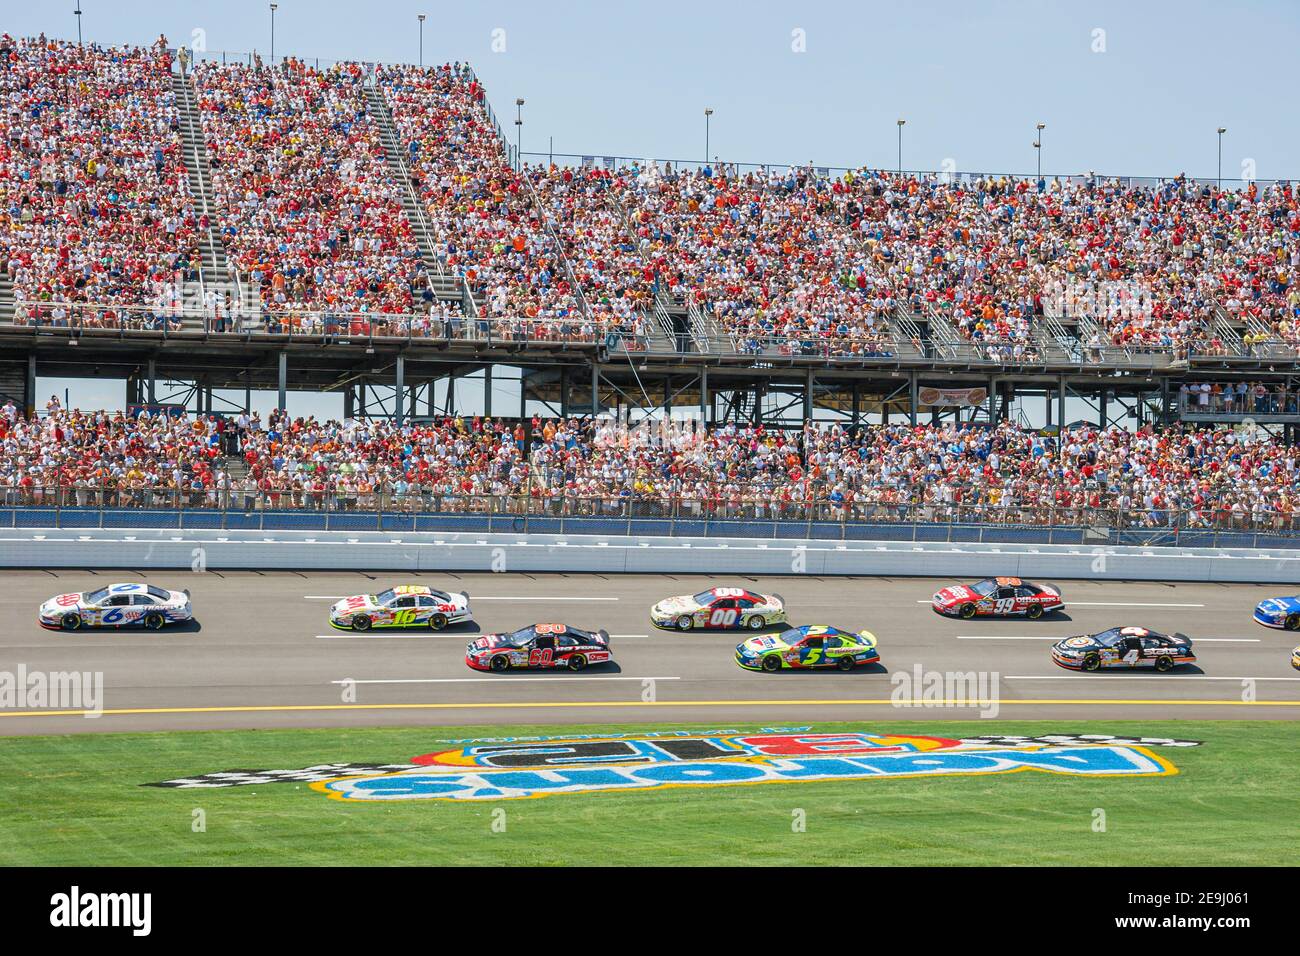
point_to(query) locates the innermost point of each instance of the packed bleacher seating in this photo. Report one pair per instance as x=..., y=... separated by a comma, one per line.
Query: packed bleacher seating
x=773, y=255
x=1190, y=476
x=96, y=208
x=485, y=221
x=306, y=203
x=94, y=200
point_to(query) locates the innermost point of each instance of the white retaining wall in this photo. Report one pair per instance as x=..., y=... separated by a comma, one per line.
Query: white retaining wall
x=149, y=549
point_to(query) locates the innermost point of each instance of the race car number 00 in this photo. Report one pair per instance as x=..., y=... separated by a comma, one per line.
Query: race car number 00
x=723, y=617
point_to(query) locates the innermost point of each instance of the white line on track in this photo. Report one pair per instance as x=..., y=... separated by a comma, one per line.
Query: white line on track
x=482, y=597
x=1053, y=637
x=382, y=637
x=1070, y=604
x=486, y=680
x=369, y=636
x=1173, y=677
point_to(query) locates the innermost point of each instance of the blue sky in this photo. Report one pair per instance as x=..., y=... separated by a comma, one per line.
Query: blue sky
x=1125, y=88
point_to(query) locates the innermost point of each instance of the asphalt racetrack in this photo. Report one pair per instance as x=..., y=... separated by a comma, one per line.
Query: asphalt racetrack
x=261, y=654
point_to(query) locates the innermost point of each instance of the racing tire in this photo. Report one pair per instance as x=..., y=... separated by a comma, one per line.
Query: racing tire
x=771, y=663
x=70, y=622
x=966, y=611
x=1164, y=664
x=1293, y=622
x=361, y=622
x=685, y=622
x=153, y=621
x=756, y=623
x=1091, y=662
x=1034, y=612
x=500, y=662
x=845, y=663
x=438, y=622
x=577, y=662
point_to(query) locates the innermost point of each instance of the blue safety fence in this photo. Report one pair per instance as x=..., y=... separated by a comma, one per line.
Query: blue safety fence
x=775, y=529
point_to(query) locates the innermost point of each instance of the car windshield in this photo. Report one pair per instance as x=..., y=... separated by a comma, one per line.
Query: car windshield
x=521, y=636
x=383, y=597
x=94, y=597
x=704, y=598
x=1117, y=634
x=984, y=587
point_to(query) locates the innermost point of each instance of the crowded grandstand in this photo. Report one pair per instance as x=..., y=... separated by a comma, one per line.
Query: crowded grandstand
x=101, y=228
x=1194, y=478
x=146, y=190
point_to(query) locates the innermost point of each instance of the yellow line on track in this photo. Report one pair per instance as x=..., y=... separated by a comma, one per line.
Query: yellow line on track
x=513, y=705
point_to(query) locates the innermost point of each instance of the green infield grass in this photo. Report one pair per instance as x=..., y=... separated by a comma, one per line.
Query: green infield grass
x=79, y=799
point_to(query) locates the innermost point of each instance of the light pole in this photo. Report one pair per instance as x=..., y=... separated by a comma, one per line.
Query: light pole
x=519, y=134
x=274, y=7
x=1218, y=179
x=1038, y=146
x=420, y=17
x=708, y=111
x=901, y=124
x=78, y=14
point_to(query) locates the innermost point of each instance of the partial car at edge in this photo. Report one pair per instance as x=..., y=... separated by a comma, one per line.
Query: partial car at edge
x=1279, y=612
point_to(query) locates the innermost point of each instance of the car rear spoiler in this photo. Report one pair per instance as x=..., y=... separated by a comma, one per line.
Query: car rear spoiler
x=1054, y=587
x=604, y=635
x=779, y=598
x=185, y=591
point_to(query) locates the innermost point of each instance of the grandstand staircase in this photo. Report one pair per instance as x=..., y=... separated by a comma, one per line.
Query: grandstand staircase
x=664, y=336
x=909, y=341
x=1222, y=326
x=445, y=287
x=6, y=297
x=707, y=333
x=215, y=274
x=946, y=340
x=236, y=469
x=1055, y=343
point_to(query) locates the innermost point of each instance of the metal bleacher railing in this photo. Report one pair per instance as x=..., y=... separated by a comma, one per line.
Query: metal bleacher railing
x=170, y=320
x=940, y=175
x=317, y=509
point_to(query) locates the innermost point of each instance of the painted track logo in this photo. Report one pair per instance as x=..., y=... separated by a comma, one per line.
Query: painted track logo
x=527, y=767
x=1086, y=761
